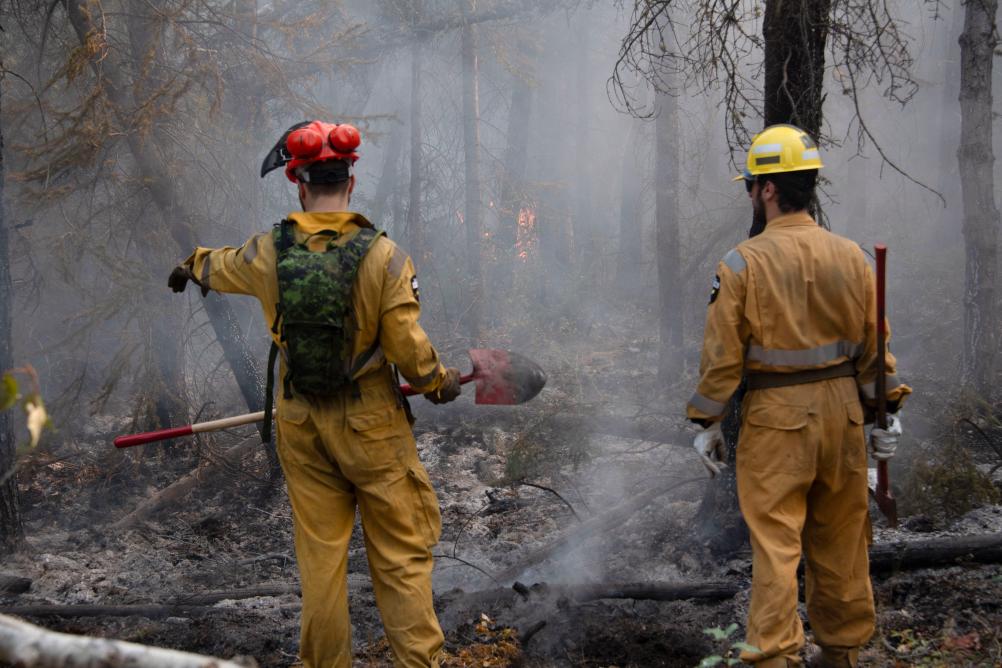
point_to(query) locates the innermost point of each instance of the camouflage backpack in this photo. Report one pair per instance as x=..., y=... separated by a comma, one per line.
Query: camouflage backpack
x=315, y=310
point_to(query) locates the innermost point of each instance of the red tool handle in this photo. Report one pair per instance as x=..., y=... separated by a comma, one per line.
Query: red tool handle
x=880, y=389
x=150, y=436
x=409, y=391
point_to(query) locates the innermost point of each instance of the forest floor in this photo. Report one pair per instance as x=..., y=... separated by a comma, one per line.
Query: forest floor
x=236, y=533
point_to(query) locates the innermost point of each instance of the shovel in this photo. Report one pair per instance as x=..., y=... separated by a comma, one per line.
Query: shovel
x=503, y=379
x=882, y=494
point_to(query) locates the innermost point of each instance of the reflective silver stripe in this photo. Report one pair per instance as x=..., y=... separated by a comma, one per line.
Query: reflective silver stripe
x=735, y=261
x=829, y=352
x=250, y=251
x=708, y=406
x=869, y=390
x=767, y=148
x=811, y=155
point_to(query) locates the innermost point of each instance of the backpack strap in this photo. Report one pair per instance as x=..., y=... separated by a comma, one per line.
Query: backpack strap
x=269, y=394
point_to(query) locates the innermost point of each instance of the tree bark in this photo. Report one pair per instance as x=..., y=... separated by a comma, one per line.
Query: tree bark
x=389, y=182
x=981, y=217
x=473, y=221
x=11, y=526
x=179, y=220
x=666, y=169
x=795, y=33
x=29, y=646
x=415, y=240
x=512, y=182
x=630, y=228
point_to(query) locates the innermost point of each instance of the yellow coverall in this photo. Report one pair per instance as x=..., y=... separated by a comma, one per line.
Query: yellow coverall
x=354, y=449
x=793, y=298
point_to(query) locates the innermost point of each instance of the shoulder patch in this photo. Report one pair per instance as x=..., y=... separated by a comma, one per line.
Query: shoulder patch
x=716, y=289
x=735, y=261
x=397, y=261
x=414, y=288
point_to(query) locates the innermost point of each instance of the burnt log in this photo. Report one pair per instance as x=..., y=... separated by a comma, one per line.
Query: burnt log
x=936, y=553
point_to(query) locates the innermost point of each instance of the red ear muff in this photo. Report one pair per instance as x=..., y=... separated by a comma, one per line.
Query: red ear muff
x=344, y=138
x=304, y=143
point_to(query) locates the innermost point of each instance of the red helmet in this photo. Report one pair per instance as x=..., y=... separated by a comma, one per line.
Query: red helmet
x=311, y=142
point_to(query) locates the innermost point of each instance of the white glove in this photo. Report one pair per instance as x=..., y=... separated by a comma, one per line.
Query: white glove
x=709, y=443
x=884, y=442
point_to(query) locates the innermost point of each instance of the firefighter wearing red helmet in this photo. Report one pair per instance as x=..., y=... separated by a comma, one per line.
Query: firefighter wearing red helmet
x=342, y=303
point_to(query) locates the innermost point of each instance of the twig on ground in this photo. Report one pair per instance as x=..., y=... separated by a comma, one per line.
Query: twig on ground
x=554, y=493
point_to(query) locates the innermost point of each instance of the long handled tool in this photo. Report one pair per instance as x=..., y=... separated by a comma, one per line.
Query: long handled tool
x=882, y=495
x=503, y=379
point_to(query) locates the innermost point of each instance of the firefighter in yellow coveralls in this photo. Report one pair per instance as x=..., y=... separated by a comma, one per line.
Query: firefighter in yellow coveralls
x=794, y=309
x=354, y=448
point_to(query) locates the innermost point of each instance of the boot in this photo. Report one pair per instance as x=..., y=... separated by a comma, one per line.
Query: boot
x=838, y=657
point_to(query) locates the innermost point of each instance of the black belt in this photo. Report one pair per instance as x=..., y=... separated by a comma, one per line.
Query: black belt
x=758, y=380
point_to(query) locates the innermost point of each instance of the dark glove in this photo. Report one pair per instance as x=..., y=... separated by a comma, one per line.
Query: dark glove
x=448, y=390
x=178, y=279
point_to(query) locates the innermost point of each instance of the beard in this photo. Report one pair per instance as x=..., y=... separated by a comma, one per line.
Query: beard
x=758, y=216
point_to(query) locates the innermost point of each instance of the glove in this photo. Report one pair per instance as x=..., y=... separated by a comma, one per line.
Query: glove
x=448, y=390
x=884, y=442
x=709, y=443
x=178, y=279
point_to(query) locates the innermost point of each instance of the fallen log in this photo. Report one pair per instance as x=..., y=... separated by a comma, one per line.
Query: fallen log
x=29, y=646
x=933, y=552
x=641, y=591
x=192, y=605
x=178, y=491
x=581, y=532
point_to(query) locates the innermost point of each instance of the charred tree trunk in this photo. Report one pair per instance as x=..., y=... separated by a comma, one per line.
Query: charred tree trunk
x=795, y=32
x=666, y=207
x=389, y=182
x=630, y=229
x=473, y=221
x=11, y=527
x=415, y=239
x=981, y=216
x=512, y=183
x=168, y=200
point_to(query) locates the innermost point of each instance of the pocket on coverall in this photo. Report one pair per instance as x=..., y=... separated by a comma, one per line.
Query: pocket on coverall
x=427, y=516
x=773, y=439
x=854, y=444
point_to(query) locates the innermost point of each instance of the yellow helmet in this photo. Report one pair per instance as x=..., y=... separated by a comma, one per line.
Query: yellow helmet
x=778, y=149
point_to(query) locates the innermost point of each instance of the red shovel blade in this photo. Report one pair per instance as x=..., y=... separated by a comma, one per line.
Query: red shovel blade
x=505, y=378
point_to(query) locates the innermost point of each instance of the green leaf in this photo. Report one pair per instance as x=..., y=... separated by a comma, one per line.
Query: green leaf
x=745, y=647
x=731, y=629
x=8, y=392
x=716, y=633
x=710, y=661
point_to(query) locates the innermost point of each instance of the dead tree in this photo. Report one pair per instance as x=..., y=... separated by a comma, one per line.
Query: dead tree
x=473, y=220
x=670, y=286
x=164, y=192
x=415, y=239
x=11, y=527
x=981, y=215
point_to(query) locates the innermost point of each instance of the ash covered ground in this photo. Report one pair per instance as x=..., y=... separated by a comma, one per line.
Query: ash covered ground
x=233, y=533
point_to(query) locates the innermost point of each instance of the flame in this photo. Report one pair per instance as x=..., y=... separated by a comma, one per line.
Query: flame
x=526, y=239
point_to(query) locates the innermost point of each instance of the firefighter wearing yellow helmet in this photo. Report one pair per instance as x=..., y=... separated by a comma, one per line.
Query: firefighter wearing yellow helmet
x=794, y=309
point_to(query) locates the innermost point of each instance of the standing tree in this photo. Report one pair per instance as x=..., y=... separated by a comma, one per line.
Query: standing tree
x=11, y=528
x=667, y=177
x=981, y=216
x=473, y=220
